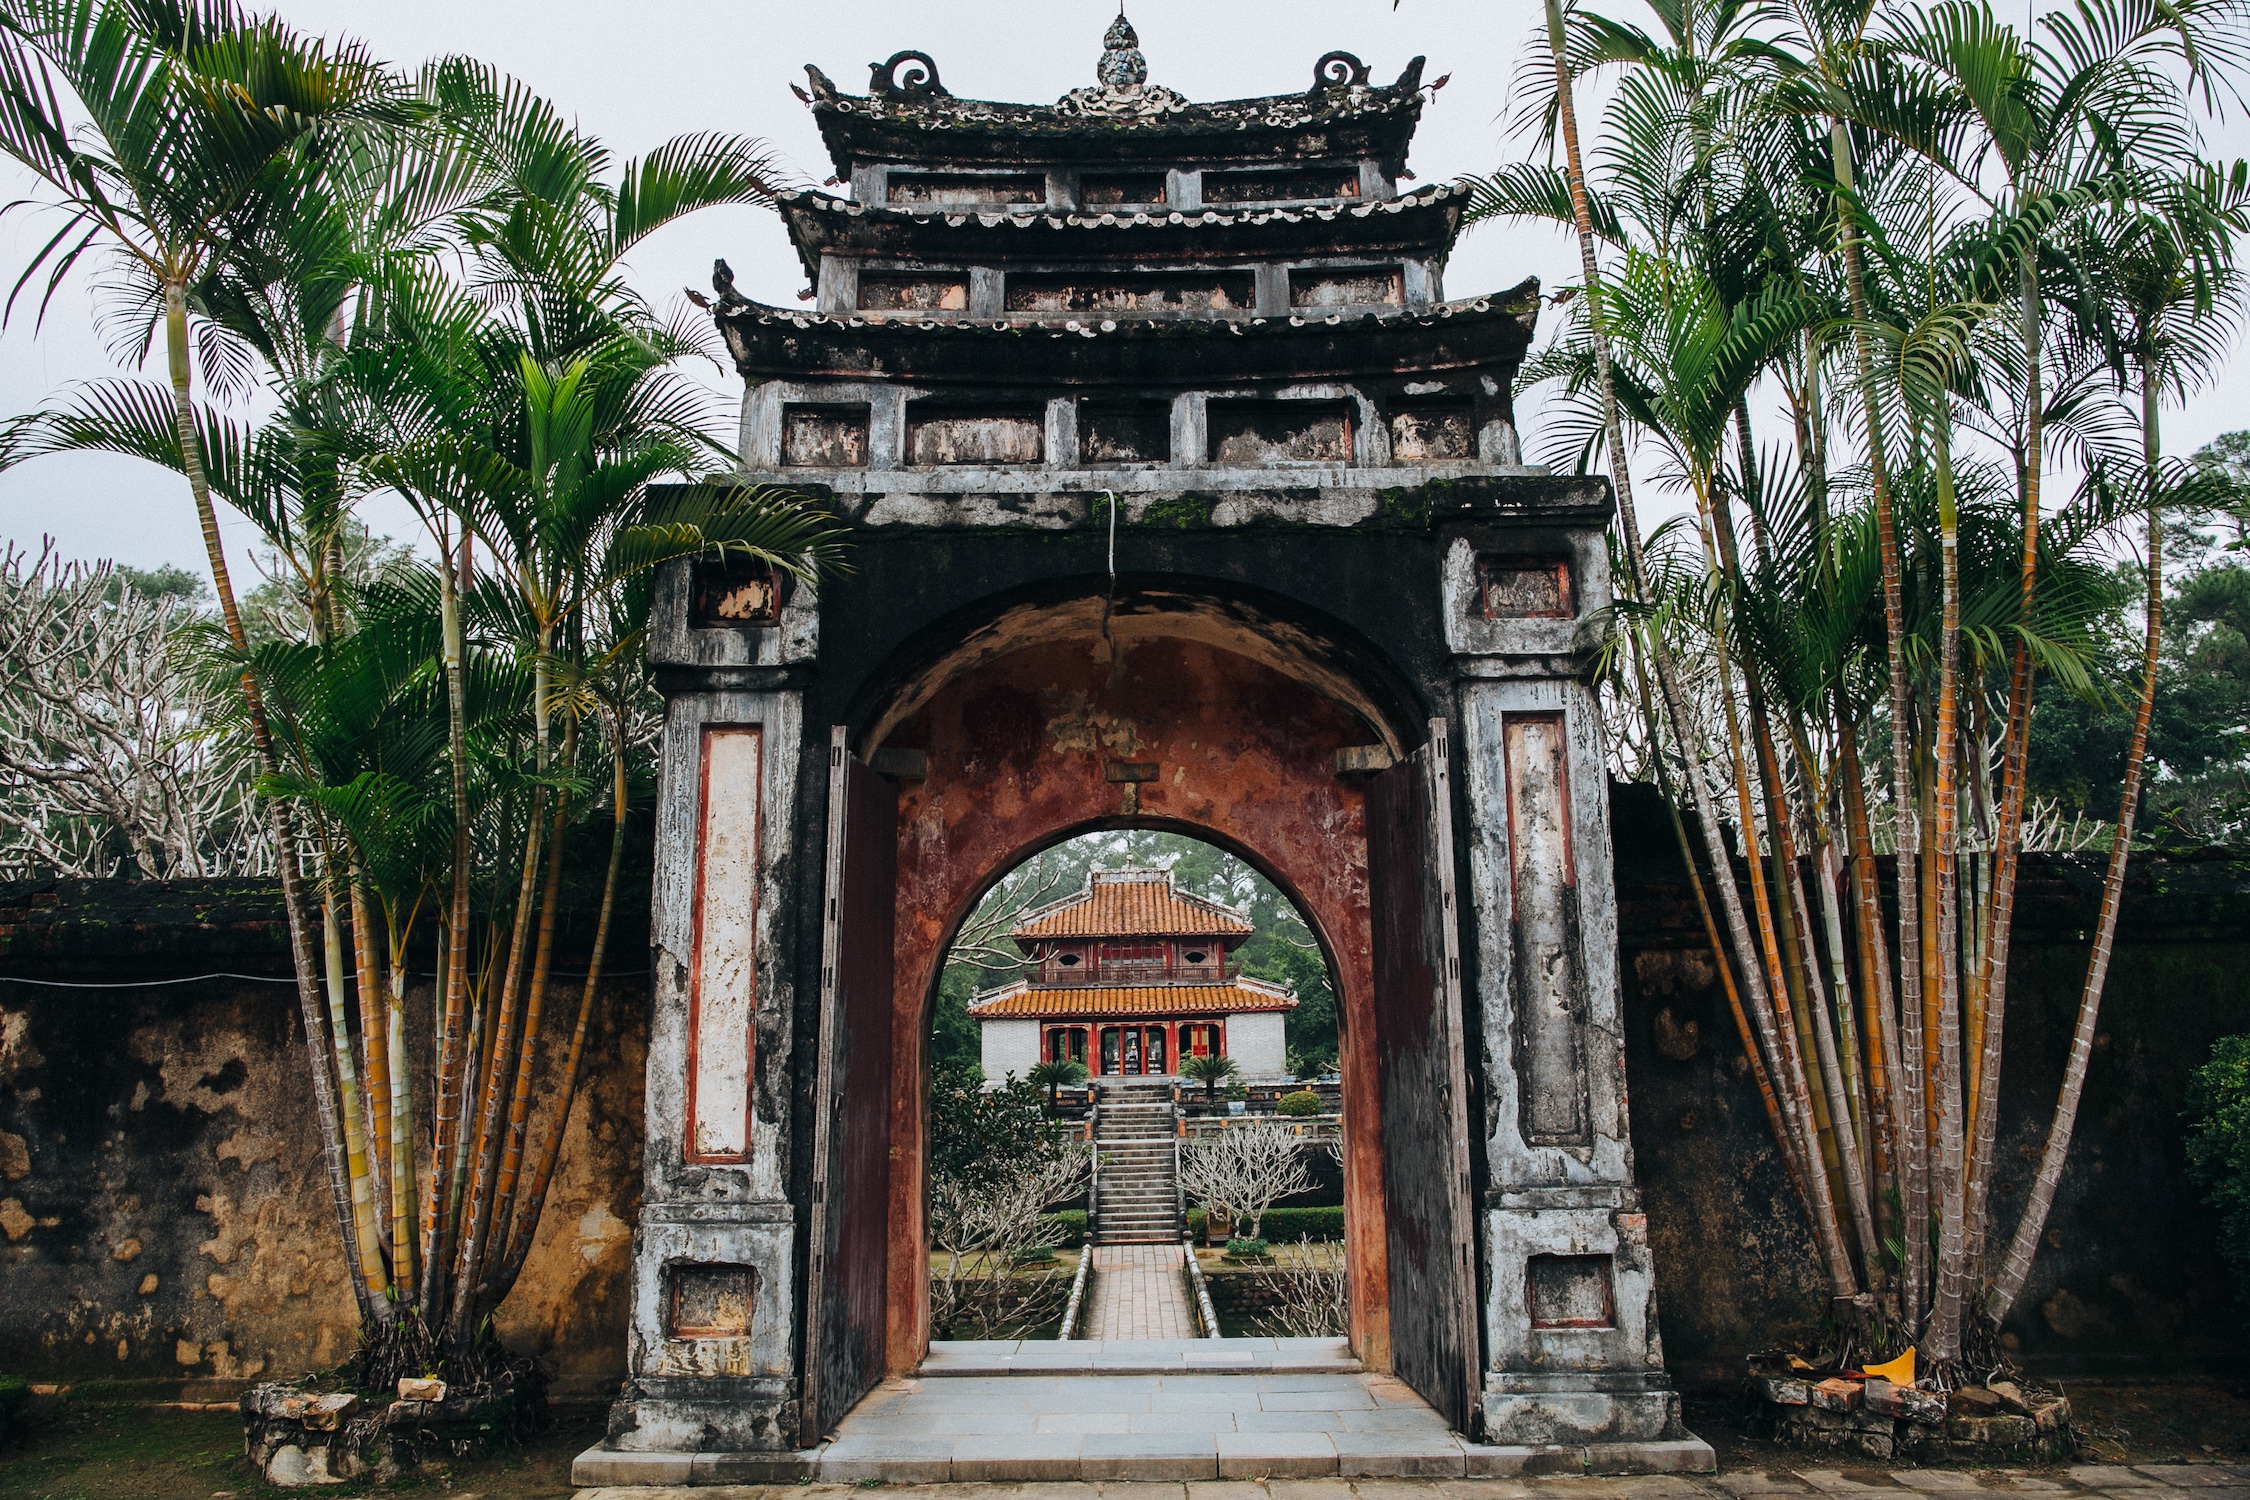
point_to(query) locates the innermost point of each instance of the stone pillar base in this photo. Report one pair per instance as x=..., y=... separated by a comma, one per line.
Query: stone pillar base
x=1580, y=1408
x=704, y=1414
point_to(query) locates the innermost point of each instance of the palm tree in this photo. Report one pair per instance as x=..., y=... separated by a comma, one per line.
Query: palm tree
x=1210, y=1069
x=187, y=127
x=1057, y=1073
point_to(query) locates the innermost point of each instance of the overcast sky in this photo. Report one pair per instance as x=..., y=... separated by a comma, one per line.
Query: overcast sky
x=637, y=74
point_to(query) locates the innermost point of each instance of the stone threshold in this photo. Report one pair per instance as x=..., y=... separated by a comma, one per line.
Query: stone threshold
x=1135, y=1456
x=1140, y=1357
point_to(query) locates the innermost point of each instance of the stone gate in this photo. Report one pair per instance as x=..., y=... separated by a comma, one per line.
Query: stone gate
x=1180, y=496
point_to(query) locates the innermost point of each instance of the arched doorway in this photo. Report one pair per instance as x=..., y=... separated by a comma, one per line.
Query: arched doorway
x=1193, y=712
x=1151, y=999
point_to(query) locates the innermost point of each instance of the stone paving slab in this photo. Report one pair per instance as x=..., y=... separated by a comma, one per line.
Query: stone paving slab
x=1139, y=1467
x=1106, y=1357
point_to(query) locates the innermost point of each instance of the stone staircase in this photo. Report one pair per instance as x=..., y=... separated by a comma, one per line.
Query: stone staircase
x=1136, y=1201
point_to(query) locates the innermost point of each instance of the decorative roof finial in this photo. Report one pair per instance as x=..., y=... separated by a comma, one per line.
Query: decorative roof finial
x=1122, y=68
x=1123, y=91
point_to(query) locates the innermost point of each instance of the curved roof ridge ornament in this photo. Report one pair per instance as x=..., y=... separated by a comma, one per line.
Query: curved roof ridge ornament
x=1338, y=70
x=920, y=82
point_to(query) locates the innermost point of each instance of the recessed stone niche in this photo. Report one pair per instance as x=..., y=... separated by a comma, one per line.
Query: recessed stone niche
x=1102, y=294
x=1433, y=431
x=1125, y=432
x=1292, y=185
x=1280, y=432
x=736, y=592
x=712, y=1301
x=1515, y=589
x=1347, y=286
x=913, y=293
x=1571, y=1291
x=824, y=437
x=933, y=189
x=953, y=435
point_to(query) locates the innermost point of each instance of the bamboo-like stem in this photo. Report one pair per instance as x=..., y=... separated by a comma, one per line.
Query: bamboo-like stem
x=498, y=1065
x=1792, y=1160
x=446, y=1130
x=304, y=963
x=1906, y=830
x=550, y=1146
x=2016, y=1267
x=374, y=1028
x=535, y=1006
x=366, y=1237
x=1945, y=1324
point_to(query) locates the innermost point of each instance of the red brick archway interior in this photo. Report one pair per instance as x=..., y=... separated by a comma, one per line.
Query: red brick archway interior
x=1057, y=735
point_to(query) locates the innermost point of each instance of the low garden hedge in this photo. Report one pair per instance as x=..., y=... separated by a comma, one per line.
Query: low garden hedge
x=1286, y=1226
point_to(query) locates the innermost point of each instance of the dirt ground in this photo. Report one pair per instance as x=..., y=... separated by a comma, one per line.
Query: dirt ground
x=2185, y=1422
x=88, y=1451
x=114, y=1452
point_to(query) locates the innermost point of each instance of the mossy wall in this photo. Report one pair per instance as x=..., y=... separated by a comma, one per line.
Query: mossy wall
x=163, y=1220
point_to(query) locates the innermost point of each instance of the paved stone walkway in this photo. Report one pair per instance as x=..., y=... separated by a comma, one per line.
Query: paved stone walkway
x=2114, y=1482
x=1138, y=1293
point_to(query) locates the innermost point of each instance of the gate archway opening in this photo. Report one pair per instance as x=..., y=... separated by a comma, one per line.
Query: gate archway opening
x=1192, y=996
x=1195, y=709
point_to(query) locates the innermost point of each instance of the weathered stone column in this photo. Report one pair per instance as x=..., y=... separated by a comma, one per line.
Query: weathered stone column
x=1570, y=1318
x=714, y=1318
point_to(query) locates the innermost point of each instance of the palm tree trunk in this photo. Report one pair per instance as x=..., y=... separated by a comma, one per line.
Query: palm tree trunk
x=2015, y=767
x=374, y=1035
x=1945, y=1330
x=2008, y=1285
x=367, y=1237
x=312, y=1011
x=437, y=1255
x=498, y=1064
x=550, y=1146
x=1906, y=831
x=1628, y=520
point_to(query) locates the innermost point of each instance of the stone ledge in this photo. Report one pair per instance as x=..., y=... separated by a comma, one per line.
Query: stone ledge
x=1069, y=1457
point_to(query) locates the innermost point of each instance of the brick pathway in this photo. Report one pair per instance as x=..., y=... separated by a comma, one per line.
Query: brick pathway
x=1138, y=1293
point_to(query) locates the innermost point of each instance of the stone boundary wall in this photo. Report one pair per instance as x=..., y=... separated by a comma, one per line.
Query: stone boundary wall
x=2128, y=1281
x=163, y=1222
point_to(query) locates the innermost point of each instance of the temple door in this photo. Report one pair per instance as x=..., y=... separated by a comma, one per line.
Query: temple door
x=845, y=1305
x=1421, y=1052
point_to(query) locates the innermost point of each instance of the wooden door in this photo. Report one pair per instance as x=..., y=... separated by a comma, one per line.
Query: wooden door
x=1421, y=1052
x=845, y=1304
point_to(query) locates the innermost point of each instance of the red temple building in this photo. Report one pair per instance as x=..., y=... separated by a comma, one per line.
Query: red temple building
x=1130, y=976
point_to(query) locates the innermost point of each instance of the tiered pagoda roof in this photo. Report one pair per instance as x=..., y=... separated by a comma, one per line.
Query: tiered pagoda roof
x=1127, y=906
x=1132, y=903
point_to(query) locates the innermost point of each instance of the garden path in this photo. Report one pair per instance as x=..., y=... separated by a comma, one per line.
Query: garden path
x=1139, y=1293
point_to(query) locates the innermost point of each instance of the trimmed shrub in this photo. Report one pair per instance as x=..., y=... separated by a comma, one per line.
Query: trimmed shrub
x=1288, y=1225
x=1303, y=1102
x=1247, y=1249
x=1069, y=1226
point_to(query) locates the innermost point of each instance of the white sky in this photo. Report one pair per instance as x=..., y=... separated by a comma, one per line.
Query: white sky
x=638, y=74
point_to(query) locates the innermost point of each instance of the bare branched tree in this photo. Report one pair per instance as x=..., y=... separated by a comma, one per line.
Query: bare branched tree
x=107, y=764
x=1244, y=1169
x=1314, y=1293
x=985, y=1227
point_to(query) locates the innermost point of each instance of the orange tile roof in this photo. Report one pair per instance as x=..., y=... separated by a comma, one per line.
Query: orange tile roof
x=1024, y=999
x=1132, y=903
